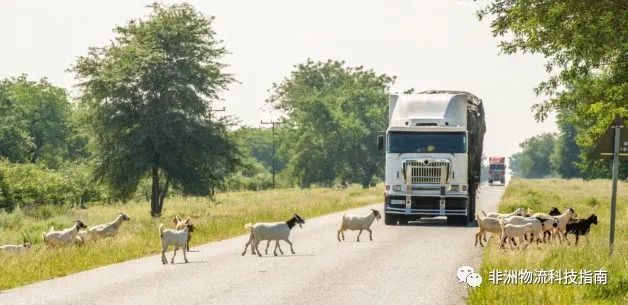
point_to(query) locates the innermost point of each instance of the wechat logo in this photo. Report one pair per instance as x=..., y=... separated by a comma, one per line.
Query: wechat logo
x=466, y=274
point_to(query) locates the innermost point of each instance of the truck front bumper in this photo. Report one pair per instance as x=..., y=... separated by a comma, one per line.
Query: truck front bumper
x=426, y=205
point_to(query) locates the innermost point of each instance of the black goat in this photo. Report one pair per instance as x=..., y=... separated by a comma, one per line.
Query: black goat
x=581, y=227
x=554, y=212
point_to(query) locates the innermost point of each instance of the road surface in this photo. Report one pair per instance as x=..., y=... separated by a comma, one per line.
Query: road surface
x=413, y=264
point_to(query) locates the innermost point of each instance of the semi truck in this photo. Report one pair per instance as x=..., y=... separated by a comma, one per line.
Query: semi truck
x=433, y=147
x=496, y=170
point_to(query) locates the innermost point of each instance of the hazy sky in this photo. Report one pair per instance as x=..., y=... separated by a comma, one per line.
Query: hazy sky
x=434, y=44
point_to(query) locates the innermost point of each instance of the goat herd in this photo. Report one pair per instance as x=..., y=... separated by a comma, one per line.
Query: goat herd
x=181, y=232
x=513, y=228
x=539, y=227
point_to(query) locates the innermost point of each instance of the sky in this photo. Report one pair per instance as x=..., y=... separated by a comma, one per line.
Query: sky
x=426, y=44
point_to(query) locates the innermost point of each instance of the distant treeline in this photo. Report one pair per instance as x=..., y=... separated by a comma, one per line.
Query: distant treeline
x=559, y=155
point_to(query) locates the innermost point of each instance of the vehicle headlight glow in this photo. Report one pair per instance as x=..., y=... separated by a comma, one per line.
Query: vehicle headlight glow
x=397, y=188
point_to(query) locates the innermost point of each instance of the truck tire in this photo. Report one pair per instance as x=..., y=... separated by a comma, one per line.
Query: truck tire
x=503, y=181
x=458, y=220
x=390, y=219
x=490, y=182
x=403, y=220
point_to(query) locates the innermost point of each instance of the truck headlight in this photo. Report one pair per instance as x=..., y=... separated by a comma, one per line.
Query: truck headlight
x=455, y=188
x=397, y=188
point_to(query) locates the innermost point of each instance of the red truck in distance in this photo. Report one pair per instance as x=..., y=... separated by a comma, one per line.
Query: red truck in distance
x=496, y=170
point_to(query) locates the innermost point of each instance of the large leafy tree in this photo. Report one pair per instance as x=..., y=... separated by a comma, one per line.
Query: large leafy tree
x=566, y=155
x=333, y=114
x=34, y=121
x=150, y=93
x=533, y=161
x=586, y=44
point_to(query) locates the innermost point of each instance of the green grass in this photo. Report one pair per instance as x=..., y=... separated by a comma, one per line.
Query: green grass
x=139, y=237
x=586, y=198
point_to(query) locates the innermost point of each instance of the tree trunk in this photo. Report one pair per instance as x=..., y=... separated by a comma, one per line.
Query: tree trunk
x=155, y=206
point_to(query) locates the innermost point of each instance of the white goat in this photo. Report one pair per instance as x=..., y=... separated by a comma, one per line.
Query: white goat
x=67, y=236
x=16, y=248
x=351, y=222
x=510, y=231
x=177, y=238
x=109, y=229
x=563, y=219
x=486, y=224
x=539, y=225
x=271, y=231
x=180, y=224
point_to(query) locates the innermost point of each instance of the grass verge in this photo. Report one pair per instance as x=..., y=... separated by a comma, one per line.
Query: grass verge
x=586, y=198
x=139, y=237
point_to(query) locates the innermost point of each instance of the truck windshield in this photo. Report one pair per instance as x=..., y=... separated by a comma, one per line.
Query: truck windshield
x=497, y=167
x=427, y=142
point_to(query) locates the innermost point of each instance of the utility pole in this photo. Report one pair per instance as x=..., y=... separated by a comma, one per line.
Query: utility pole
x=273, y=123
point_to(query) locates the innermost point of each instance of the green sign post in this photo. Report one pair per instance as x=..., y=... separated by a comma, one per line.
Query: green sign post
x=613, y=144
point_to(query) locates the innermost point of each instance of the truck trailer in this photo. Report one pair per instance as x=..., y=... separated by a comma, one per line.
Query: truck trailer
x=433, y=156
x=496, y=170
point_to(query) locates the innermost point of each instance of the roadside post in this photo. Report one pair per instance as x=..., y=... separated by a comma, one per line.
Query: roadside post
x=273, y=123
x=613, y=144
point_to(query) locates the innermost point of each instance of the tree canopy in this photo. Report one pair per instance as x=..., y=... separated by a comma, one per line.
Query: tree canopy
x=586, y=44
x=333, y=114
x=150, y=93
x=34, y=121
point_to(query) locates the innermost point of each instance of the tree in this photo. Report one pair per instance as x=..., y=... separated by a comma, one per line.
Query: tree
x=34, y=121
x=566, y=156
x=534, y=159
x=586, y=41
x=149, y=93
x=334, y=114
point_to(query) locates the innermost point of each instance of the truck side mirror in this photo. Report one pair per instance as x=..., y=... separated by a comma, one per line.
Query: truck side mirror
x=380, y=141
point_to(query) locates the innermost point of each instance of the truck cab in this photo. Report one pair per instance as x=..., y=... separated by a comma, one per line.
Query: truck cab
x=428, y=148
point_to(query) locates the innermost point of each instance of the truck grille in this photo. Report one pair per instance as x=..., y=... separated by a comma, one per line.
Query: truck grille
x=427, y=172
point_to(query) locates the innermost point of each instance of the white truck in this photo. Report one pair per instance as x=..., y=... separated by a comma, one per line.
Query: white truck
x=433, y=155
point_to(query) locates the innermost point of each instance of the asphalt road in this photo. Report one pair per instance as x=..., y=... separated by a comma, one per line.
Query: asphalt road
x=413, y=264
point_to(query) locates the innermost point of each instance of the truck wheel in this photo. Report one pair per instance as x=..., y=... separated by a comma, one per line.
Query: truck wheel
x=403, y=220
x=458, y=220
x=503, y=181
x=490, y=182
x=390, y=219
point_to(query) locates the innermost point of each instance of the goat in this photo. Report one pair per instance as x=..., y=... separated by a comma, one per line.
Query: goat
x=518, y=212
x=553, y=212
x=271, y=231
x=539, y=225
x=510, y=231
x=563, y=220
x=16, y=248
x=350, y=222
x=67, y=236
x=109, y=229
x=177, y=238
x=180, y=224
x=486, y=224
x=581, y=227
